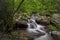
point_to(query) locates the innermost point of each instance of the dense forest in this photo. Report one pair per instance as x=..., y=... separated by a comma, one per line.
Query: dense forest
x=11, y=10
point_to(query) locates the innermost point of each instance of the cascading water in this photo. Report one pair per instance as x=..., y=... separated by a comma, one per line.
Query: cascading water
x=37, y=32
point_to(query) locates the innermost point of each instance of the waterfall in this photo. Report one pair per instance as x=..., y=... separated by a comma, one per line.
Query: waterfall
x=37, y=32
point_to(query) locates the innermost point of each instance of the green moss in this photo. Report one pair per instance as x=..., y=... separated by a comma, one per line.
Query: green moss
x=52, y=27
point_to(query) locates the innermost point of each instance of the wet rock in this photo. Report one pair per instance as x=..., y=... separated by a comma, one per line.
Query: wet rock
x=43, y=20
x=56, y=35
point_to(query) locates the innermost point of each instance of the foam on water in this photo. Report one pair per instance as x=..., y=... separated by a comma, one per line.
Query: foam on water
x=37, y=31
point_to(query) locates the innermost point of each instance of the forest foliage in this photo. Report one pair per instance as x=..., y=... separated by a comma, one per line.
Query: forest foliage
x=40, y=6
x=43, y=7
x=11, y=8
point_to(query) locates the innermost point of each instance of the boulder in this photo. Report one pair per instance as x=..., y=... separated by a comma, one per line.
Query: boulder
x=56, y=35
x=56, y=18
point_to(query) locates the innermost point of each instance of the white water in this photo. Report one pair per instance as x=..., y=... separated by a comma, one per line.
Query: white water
x=44, y=37
x=37, y=31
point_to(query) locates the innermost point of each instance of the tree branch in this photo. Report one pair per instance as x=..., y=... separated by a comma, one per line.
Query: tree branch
x=19, y=6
